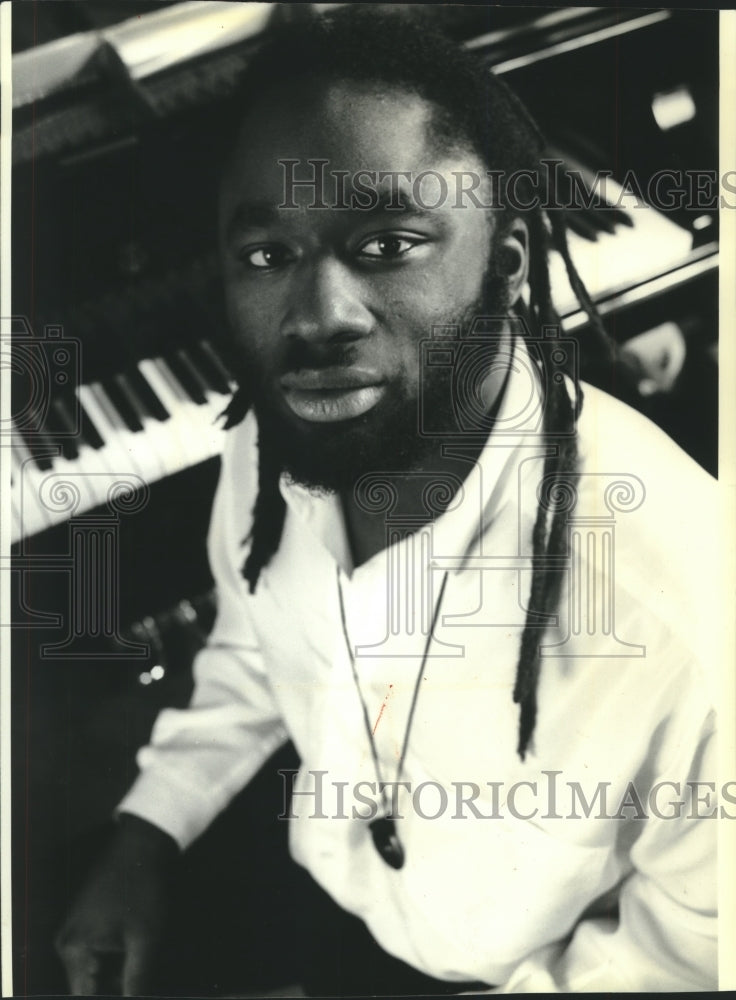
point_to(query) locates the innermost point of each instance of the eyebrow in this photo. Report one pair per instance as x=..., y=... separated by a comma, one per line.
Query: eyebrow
x=393, y=202
x=251, y=214
x=397, y=202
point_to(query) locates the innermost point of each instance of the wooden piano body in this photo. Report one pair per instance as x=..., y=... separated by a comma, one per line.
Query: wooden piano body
x=120, y=363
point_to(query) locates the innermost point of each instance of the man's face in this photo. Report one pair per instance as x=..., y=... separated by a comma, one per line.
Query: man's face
x=328, y=306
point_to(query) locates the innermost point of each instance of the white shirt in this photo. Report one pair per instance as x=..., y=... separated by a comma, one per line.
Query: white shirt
x=500, y=884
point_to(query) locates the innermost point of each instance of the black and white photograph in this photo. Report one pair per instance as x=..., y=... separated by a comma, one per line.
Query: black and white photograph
x=367, y=581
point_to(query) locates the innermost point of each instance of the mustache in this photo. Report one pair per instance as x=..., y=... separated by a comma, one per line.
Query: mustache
x=295, y=356
x=298, y=354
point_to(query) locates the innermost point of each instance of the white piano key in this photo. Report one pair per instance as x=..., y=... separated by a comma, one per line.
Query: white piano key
x=126, y=450
x=115, y=456
x=208, y=437
x=170, y=434
x=190, y=441
x=155, y=434
x=34, y=516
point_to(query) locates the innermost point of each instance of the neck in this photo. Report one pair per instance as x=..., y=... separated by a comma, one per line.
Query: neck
x=367, y=529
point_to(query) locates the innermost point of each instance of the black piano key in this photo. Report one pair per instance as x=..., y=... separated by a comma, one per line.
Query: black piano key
x=60, y=424
x=126, y=383
x=186, y=376
x=214, y=367
x=41, y=447
x=124, y=401
x=153, y=405
x=191, y=362
x=89, y=432
x=214, y=378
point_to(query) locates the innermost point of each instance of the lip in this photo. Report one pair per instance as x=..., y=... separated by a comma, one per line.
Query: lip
x=329, y=395
x=330, y=379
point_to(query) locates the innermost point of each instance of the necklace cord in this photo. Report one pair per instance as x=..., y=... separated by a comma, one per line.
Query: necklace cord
x=366, y=720
x=415, y=694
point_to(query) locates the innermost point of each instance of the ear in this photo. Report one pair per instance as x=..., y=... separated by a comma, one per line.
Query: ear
x=514, y=259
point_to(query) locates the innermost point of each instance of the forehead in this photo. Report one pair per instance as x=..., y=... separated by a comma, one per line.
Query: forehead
x=353, y=126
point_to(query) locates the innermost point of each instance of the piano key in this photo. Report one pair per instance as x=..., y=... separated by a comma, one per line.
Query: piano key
x=67, y=406
x=187, y=377
x=172, y=382
x=145, y=458
x=226, y=382
x=178, y=433
x=40, y=445
x=108, y=459
x=21, y=454
x=213, y=402
x=124, y=402
x=114, y=423
x=211, y=372
x=131, y=386
x=187, y=359
x=152, y=447
x=123, y=452
x=26, y=477
x=40, y=506
x=176, y=401
x=193, y=436
x=151, y=403
x=90, y=434
x=151, y=373
x=33, y=516
x=92, y=491
x=61, y=425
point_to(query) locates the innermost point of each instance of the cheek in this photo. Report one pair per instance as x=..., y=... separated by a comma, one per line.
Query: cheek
x=468, y=266
x=445, y=291
x=251, y=317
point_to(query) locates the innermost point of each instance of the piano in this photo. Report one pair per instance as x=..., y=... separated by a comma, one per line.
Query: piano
x=153, y=418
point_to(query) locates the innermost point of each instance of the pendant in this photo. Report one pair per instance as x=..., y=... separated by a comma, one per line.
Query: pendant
x=386, y=841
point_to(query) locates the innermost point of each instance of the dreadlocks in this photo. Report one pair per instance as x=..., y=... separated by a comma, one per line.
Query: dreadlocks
x=472, y=107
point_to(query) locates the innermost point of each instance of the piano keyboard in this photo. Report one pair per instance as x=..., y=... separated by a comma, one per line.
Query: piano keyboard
x=156, y=418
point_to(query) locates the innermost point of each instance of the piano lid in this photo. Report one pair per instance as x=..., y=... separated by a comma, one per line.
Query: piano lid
x=190, y=53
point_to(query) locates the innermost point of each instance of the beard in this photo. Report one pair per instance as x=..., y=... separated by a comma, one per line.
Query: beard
x=407, y=427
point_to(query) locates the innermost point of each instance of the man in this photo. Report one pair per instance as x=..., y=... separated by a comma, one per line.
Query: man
x=418, y=577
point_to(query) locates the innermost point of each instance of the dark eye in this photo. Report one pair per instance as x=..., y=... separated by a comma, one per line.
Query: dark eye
x=389, y=247
x=266, y=258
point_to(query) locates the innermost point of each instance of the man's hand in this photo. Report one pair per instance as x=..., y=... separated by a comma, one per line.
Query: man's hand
x=109, y=939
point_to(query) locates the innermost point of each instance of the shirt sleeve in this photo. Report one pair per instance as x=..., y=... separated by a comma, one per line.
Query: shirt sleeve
x=665, y=935
x=200, y=757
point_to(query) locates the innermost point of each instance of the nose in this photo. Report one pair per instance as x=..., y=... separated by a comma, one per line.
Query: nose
x=326, y=304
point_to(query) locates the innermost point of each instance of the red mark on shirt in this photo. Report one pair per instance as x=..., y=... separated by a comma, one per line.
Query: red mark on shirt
x=383, y=708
